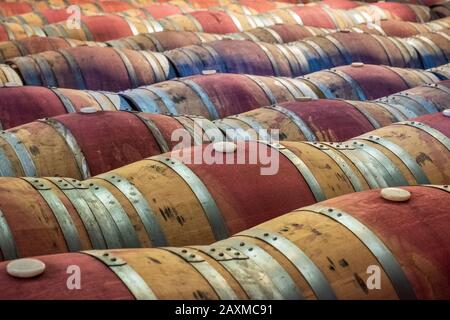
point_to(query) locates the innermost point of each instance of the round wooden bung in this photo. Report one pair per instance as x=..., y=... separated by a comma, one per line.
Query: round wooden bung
x=25, y=268
x=395, y=194
x=207, y=72
x=357, y=64
x=224, y=147
x=88, y=110
x=446, y=112
x=303, y=99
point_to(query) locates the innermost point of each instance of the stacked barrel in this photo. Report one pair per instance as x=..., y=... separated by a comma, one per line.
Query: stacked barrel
x=224, y=149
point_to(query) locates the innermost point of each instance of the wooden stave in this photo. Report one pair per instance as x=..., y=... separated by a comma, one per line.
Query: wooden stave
x=353, y=82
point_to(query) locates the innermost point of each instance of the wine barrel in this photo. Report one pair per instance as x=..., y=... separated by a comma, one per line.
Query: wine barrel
x=79, y=145
x=280, y=33
x=322, y=17
x=215, y=96
x=235, y=8
x=441, y=10
x=20, y=105
x=395, y=28
x=108, y=6
x=334, y=120
x=231, y=56
x=313, y=120
x=315, y=16
x=198, y=4
x=40, y=18
x=428, y=3
x=103, y=28
x=263, y=262
x=344, y=47
x=184, y=6
x=209, y=21
x=14, y=31
x=421, y=100
x=161, y=10
x=439, y=24
x=154, y=11
x=32, y=45
x=14, y=8
x=262, y=5
x=360, y=81
x=163, y=41
x=338, y=4
x=368, y=14
x=442, y=72
x=93, y=68
x=134, y=13
x=405, y=11
x=207, y=206
x=433, y=48
x=223, y=21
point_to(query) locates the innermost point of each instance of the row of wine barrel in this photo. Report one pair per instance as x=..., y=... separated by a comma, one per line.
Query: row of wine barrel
x=110, y=27
x=280, y=33
x=441, y=10
x=94, y=68
x=13, y=30
x=175, y=199
x=103, y=28
x=334, y=120
x=79, y=145
x=399, y=11
x=219, y=95
x=323, y=251
x=168, y=40
x=156, y=9
x=311, y=54
x=214, y=96
x=34, y=44
x=115, y=69
x=317, y=16
x=258, y=5
x=16, y=8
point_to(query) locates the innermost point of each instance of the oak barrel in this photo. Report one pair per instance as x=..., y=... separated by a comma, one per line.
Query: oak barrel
x=23, y=104
x=93, y=68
